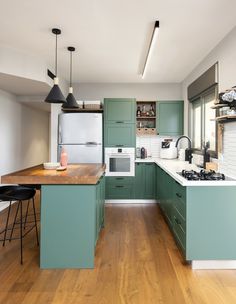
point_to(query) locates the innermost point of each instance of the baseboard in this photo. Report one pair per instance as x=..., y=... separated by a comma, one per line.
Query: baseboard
x=213, y=264
x=131, y=201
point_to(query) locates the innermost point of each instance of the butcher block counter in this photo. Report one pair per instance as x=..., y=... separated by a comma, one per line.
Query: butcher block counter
x=82, y=174
x=72, y=212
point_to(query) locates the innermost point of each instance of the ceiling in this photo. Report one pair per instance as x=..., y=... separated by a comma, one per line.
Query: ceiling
x=111, y=37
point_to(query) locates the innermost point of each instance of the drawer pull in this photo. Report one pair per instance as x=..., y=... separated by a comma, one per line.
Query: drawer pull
x=119, y=121
x=119, y=186
x=119, y=145
x=178, y=195
x=119, y=178
x=177, y=221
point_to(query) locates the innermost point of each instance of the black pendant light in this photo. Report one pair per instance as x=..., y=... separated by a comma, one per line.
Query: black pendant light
x=55, y=95
x=71, y=101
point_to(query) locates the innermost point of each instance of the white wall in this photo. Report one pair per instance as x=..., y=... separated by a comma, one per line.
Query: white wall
x=24, y=135
x=225, y=54
x=152, y=91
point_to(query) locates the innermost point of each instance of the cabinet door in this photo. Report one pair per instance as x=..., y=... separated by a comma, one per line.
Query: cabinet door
x=119, y=135
x=150, y=180
x=119, y=110
x=119, y=187
x=139, y=186
x=170, y=117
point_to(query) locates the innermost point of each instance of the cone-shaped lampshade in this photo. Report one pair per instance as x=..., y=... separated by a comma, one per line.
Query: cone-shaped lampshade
x=71, y=101
x=55, y=95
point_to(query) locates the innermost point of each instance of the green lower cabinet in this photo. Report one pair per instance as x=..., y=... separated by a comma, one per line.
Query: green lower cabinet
x=119, y=135
x=201, y=218
x=145, y=181
x=119, y=187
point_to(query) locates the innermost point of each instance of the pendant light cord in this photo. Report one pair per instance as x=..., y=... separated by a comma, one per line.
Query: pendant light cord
x=70, y=69
x=56, y=57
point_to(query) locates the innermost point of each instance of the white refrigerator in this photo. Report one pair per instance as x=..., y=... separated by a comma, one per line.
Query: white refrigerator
x=81, y=135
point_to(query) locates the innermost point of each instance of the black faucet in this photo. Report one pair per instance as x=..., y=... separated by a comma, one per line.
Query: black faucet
x=188, y=152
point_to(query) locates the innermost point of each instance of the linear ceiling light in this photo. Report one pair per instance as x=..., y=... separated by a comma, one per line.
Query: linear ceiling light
x=151, y=46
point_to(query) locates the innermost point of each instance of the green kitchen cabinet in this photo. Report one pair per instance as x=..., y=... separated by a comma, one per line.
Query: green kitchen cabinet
x=71, y=219
x=119, y=110
x=170, y=117
x=119, y=135
x=120, y=187
x=145, y=181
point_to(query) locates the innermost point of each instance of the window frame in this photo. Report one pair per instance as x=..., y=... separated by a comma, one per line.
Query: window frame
x=200, y=97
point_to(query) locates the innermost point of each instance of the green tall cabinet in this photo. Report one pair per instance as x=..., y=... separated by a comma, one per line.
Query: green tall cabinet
x=119, y=123
x=170, y=117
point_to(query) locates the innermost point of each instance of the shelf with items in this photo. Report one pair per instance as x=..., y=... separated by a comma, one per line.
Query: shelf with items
x=146, y=118
x=225, y=118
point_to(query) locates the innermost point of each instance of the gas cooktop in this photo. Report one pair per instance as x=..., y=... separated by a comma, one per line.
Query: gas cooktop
x=203, y=175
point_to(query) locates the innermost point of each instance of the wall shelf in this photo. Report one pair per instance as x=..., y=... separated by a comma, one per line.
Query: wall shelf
x=225, y=118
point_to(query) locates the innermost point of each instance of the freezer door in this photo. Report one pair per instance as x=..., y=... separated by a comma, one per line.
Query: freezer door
x=82, y=153
x=80, y=128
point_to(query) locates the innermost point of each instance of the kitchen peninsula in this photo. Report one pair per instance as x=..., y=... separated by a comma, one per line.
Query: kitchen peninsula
x=72, y=212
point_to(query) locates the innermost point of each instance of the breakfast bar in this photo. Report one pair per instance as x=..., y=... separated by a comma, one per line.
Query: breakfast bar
x=72, y=212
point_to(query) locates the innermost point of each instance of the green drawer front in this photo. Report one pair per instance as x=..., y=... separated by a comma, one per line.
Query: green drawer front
x=180, y=191
x=119, y=191
x=179, y=229
x=180, y=204
x=119, y=180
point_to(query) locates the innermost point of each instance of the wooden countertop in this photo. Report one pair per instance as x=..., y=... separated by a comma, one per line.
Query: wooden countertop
x=82, y=174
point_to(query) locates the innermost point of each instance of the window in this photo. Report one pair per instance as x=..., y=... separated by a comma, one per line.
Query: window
x=203, y=128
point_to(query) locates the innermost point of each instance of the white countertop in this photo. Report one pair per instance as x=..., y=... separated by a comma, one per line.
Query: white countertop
x=172, y=166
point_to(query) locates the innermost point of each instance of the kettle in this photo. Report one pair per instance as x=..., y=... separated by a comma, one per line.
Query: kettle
x=143, y=153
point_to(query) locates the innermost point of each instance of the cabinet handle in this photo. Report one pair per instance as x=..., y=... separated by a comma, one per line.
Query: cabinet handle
x=119, y=145
x=119, y=121
x=119, y=178
x=177, y=221
x=148, y=164
x=178, y=195
x=119, y=186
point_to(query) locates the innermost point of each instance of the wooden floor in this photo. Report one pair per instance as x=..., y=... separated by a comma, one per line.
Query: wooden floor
x=137, y=262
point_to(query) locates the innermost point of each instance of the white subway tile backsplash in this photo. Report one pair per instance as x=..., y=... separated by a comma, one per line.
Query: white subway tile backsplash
x=152, y=144
x=227, y=163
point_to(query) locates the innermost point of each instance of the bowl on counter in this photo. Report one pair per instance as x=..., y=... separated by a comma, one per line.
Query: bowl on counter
x=51, y=166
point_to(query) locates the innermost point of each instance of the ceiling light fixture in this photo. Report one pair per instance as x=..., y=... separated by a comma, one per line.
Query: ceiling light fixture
x=71, y=101
x=55, y=95
x=151, y=46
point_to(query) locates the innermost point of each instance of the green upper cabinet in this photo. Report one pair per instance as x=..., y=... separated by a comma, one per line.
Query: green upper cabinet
x=119, y=135
x=119, y=128
x=119, y=110
x=170, y=117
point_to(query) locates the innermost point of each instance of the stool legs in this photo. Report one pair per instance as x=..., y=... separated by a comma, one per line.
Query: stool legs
x=6, y=226
x=26, y=214
x=14, y=223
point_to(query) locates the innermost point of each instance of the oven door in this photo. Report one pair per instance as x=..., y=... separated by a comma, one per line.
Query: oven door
x=118, y=164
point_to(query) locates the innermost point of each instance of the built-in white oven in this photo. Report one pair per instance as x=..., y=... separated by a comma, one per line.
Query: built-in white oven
x=120, y=161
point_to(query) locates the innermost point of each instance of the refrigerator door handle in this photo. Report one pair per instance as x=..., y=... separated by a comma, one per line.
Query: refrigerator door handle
x=59, y=135
x=91, y=143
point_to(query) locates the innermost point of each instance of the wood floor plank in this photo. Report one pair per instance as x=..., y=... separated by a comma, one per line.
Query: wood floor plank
x=137, y=262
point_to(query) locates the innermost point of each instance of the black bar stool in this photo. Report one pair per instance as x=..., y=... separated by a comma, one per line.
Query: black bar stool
x=19, y=194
